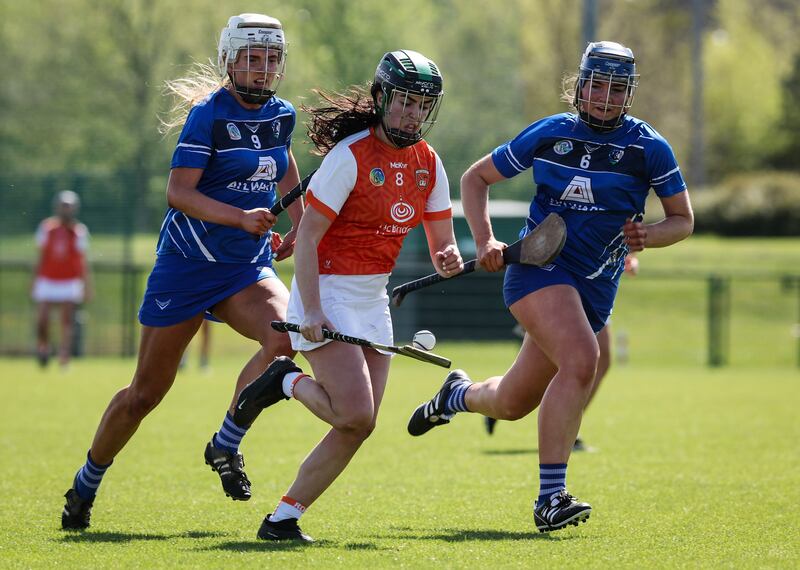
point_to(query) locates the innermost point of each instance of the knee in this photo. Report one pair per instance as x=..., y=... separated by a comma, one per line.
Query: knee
x=582, y=367
x=278, y=345
x=512, y=409
x=139, y=403
x=357, y=425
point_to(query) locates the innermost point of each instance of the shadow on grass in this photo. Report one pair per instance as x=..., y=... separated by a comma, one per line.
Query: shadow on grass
x=463, y=535
x=89, y=536
x=284, y=546
x=520, y=451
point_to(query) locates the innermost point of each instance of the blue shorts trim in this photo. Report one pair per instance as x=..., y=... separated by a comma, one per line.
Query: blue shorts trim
x=179, y=288
x=597, y=296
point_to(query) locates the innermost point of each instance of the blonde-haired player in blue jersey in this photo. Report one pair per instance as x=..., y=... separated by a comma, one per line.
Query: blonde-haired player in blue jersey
x=215, y=249
x=595, y=168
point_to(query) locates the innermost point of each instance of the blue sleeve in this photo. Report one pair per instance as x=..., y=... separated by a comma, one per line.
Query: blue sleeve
x=662, y=167
x=516, y=155
x=195, y=143
x=292, y=124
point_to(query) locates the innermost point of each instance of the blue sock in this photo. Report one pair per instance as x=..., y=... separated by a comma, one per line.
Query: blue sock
x=229, y=435
x=88, y=478
x=456, y=402
x=552, y=478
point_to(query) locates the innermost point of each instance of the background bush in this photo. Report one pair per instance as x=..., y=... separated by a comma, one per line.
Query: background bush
x=750, y=204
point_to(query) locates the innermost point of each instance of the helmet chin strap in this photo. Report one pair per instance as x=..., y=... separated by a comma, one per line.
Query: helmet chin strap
x=253, y=97
x=602, y=125
x=398, y=137
x=256, y=99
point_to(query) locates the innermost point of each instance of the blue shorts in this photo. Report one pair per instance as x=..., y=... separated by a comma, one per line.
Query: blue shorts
x=597, y=296
x=179, y=288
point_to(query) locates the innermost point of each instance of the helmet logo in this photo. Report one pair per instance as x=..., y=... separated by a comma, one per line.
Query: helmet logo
x=233, y=132
x=401, y=212
x=562, y=147
x=377, y=177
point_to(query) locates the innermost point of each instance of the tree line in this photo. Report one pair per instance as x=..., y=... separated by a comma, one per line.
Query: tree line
x=84, y=79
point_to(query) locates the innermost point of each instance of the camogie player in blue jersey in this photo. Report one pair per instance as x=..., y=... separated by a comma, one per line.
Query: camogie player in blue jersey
x=593, y=167
x=215, y=248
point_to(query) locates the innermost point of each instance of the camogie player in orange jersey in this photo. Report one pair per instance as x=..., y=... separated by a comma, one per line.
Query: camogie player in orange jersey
x=379, y=179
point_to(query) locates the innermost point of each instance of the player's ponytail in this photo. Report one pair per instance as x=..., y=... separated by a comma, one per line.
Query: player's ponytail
x=340, y=115
x=187, y=92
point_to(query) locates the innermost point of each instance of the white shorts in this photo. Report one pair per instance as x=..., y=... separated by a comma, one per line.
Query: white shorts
x=58, y=290
x=356, y=305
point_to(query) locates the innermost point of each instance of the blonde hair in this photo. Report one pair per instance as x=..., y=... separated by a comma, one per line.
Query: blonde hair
x=187, y=92
x=569, y=84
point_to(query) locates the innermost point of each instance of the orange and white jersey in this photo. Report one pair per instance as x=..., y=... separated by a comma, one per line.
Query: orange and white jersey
x=375, y=194
x=62, y=248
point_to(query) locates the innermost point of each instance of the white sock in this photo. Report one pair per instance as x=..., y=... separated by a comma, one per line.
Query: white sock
x=288, y=508
x=289, y=380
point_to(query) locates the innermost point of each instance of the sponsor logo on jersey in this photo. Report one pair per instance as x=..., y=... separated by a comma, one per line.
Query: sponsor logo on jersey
x=397, y=165
x=579, y=190
x=262, y=180
x=377, y=177
x=562, y=147
x=327, y=264
x=401, y=212
x=163, y=304
x=590, y=148
x=256, y=186
x=615, y=156
x=253, y=128
x=423, y=177
x=267, y=169
x=393, y=230
x=233, y=132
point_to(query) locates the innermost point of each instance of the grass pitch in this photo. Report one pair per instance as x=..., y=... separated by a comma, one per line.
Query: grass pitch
x=692, y=468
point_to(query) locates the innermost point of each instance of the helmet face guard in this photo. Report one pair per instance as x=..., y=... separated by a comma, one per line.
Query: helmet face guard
x=607, y=68
x=411, y=88
x=419, y=108
x=252, y=47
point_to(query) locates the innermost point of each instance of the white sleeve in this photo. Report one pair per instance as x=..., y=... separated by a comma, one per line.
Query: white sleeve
x=439, y=199
x=335, y=179
x=41, y=235
x=83, y=238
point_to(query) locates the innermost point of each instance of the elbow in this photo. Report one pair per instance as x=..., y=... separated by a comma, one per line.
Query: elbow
x=471, y=177
x=173, y=200
x=689, y=224
x=466, y=176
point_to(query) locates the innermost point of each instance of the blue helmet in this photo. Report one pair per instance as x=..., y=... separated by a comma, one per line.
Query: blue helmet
x=606, y=62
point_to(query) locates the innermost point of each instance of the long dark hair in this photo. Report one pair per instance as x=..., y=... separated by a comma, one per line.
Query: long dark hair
x=339, y=115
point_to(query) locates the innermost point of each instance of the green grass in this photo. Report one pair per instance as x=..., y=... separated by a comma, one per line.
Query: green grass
x=693, y=468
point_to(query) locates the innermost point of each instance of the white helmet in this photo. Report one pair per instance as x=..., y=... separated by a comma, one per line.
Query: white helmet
x=247, y=31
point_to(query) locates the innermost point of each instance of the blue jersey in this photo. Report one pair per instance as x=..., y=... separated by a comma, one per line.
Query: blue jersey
x=244, y=153
x=594, y=181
